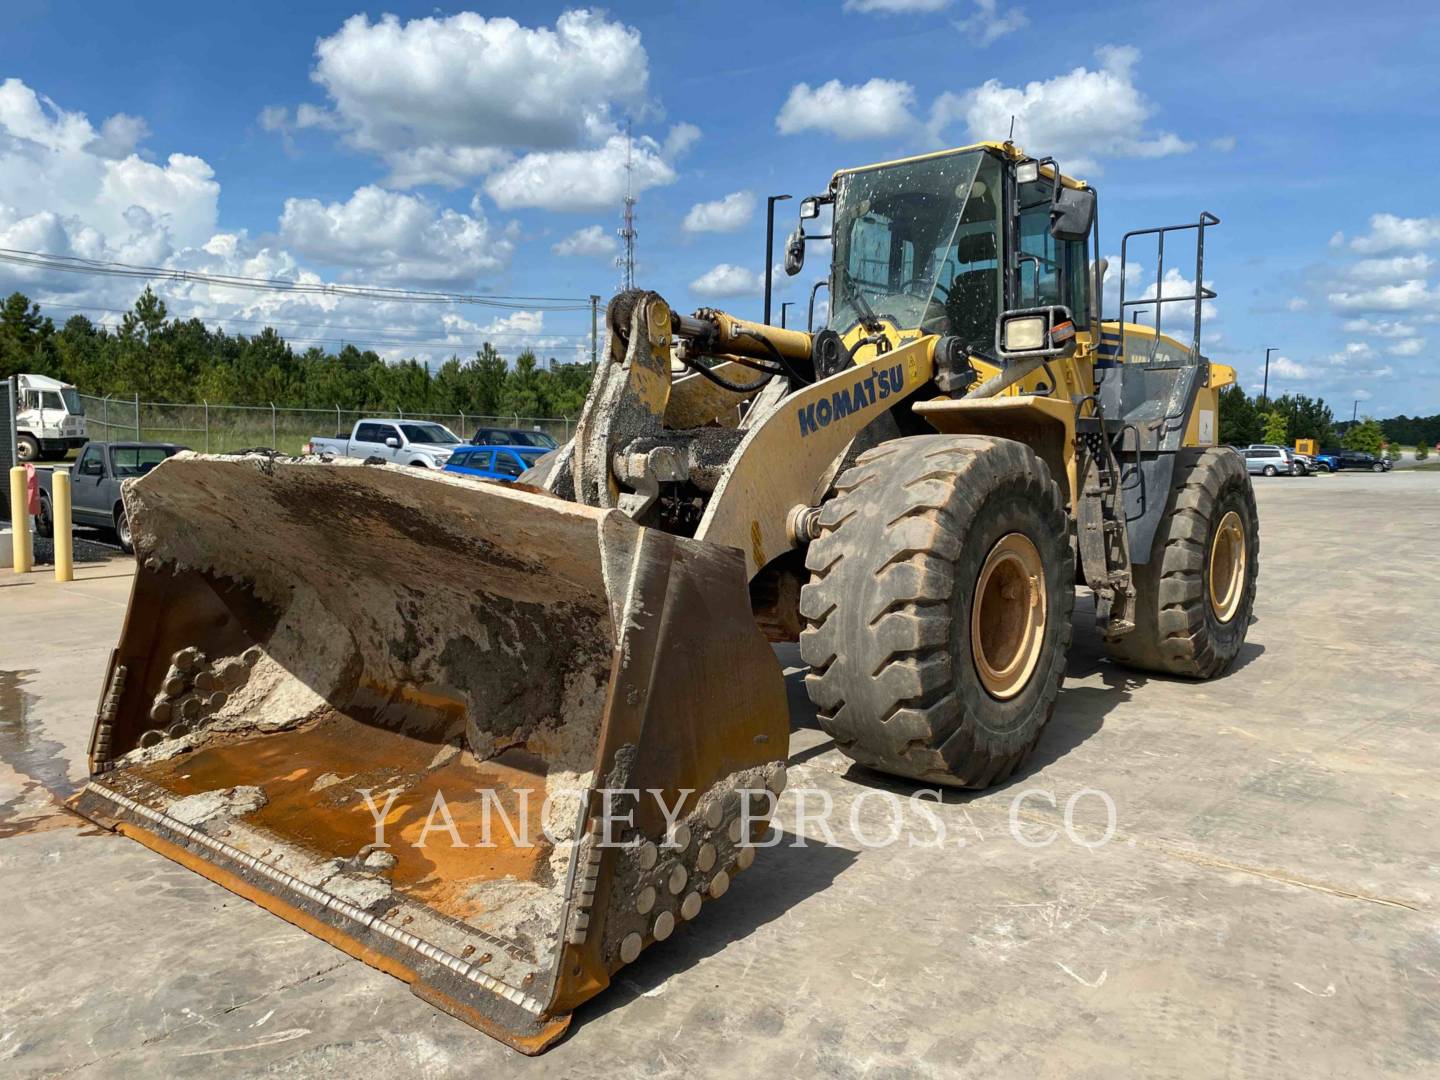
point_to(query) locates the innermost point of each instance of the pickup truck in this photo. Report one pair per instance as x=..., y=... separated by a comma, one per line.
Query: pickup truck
x=405, y=442
x=95, y=485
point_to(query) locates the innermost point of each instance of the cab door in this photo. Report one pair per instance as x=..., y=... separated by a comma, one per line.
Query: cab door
x=88, y=486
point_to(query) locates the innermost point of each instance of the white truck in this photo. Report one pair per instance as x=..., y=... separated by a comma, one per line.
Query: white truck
x=405, y=442
x=49, y=418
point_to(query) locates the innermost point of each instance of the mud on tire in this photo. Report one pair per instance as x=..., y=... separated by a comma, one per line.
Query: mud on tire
x=888, y=610
x=1178, y=630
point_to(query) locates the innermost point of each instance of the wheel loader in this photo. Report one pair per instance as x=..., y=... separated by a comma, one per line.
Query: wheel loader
x=498, y=740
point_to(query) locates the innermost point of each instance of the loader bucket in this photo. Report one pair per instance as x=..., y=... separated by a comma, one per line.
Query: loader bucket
x=442, y=724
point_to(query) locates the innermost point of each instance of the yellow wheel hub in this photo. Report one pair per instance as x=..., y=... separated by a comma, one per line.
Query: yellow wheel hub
x=1227, y=567
x=1007, y=616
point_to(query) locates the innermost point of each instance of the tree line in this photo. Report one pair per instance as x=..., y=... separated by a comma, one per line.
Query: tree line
x=183, y=360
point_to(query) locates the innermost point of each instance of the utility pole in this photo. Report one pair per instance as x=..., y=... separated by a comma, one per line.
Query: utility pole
x=626, y=262
x=594, y=329
x=1355, y=411
x=1265, y=393
x=770, y=248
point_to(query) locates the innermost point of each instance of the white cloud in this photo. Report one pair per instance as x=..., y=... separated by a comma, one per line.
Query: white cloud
x=991, y=22
x=396, y=237
x=879, y=107
x=1285, y=368
x=728, y=280
x=725, y=215
x=1078, y=117
x=88, y=190
x=61, y=194
x=679, y=140
x=592, y=241
x=1297, y=303
x=1389, y=232
x=1411, y=295
x=1223, y=145
x=1395, y=268
x=1379, y=328
x=1412, y=346
x=895, y=7
x=580, y=179
x=441, y=99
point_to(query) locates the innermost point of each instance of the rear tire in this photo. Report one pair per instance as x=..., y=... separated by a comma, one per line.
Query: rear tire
x=45, y=520
x=1194, y=598
x=1269, y=470
x=937, y=617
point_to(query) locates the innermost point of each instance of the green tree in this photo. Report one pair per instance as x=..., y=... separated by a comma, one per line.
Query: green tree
x=521, y=396
x=1422, y=450
x=26, y=338
x=1277, y=428
x=1240, y=423
x=1365, y=437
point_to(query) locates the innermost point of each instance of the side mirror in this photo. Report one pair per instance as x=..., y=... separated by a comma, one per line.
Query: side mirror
x=795, y=253
x=1034, y=332
x=809, y=208
x=1072, y=214
x=393, y=443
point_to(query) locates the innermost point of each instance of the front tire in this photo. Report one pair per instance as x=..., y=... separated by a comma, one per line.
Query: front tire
x=937, y=617
x=27, y=448
x=122, y=531
x=1195, y=597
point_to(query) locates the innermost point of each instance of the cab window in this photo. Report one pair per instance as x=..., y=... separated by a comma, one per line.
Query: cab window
x=90, y=463
x=507, y=464
x=1049, y=271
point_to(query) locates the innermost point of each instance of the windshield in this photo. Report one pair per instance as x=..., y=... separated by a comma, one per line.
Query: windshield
x=130, y=461
x=72, y=401
x=534, y=438
x=529, y=457
x=430, y=433
x=916, y=243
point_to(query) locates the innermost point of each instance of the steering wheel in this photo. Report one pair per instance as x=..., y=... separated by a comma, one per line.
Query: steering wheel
x=923, y=282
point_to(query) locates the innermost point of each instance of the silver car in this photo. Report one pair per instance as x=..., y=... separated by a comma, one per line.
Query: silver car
x=1269, y=461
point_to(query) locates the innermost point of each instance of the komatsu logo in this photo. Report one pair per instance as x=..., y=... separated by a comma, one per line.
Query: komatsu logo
x=877, y=386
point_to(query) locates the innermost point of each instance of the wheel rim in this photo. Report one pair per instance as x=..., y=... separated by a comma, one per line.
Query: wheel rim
x=1007, y=616
x=1227, y=567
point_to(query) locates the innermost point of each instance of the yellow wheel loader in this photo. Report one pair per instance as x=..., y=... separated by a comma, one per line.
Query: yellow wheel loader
x=499, y=740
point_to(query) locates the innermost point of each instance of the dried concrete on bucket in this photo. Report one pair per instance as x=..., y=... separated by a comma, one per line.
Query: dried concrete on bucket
x=506, y=601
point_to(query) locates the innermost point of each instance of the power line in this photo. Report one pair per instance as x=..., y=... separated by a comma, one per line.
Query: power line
x=70, y=264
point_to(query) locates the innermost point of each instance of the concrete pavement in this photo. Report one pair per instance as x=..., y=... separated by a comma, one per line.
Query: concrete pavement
x=1264, y=901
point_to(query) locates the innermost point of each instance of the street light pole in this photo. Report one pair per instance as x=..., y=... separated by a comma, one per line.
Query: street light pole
x=1265, y=393
x=770, y=248
x=784, y=306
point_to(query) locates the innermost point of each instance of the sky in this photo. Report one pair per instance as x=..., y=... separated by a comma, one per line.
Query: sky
x=482, y=150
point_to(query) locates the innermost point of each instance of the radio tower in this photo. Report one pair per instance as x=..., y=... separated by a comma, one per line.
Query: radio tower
x=626, y=262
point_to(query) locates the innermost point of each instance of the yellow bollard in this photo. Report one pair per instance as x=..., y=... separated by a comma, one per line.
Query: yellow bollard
x=60, y=524
x=19, y=521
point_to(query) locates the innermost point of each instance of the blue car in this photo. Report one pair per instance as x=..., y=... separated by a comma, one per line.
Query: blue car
x=494, y=462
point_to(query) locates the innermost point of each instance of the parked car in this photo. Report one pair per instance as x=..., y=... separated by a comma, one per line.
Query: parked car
x=1268, y=461
x=95, y=485
x=1300, y=464
x=523, y=437
x=405, y=442
x=494, y=462
x=1335, y=460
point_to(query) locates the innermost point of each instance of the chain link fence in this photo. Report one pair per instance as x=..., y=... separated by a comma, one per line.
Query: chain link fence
x=221, y=428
